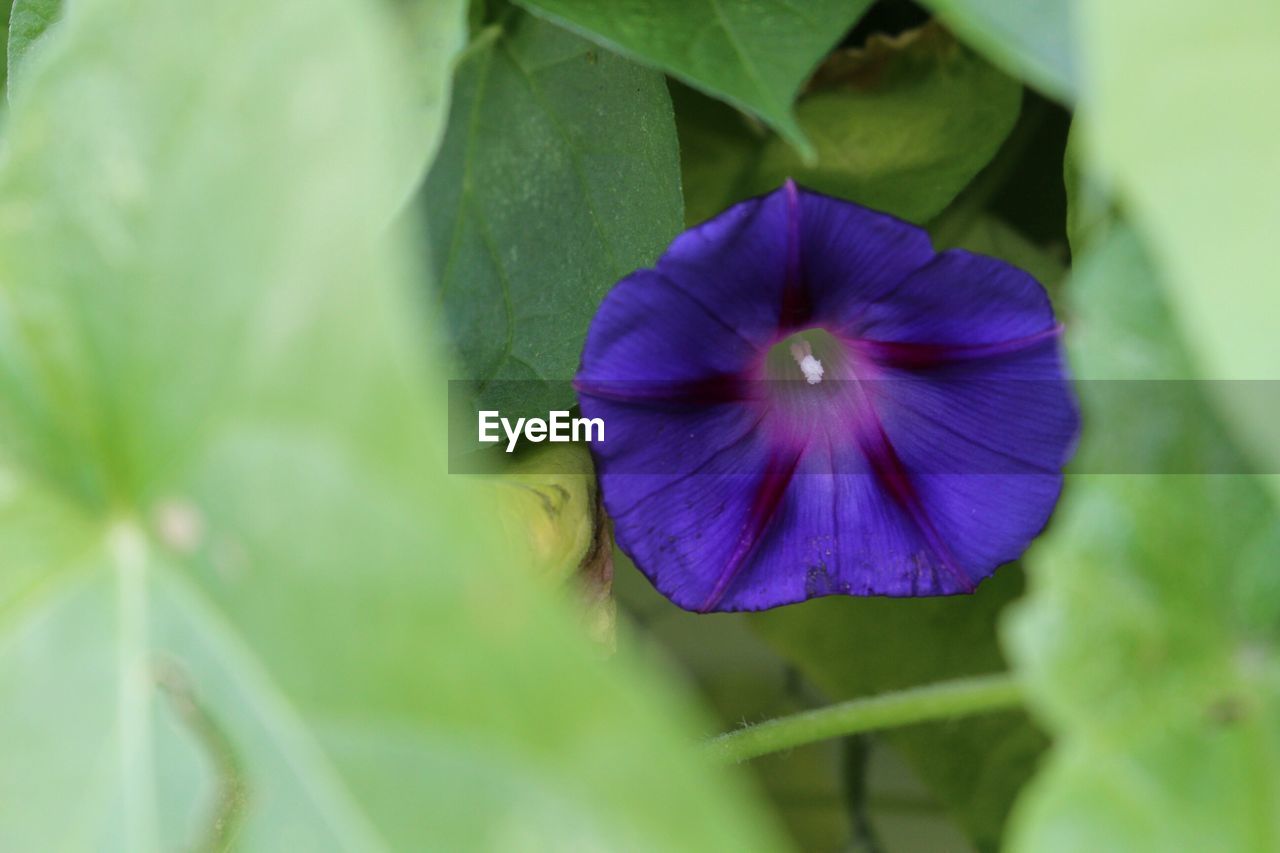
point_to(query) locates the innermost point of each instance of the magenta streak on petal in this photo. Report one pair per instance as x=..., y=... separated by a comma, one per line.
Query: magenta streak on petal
x=722, y=388
x=794, y=308
x=888, y=468
x=764, y=506
x=907, y=355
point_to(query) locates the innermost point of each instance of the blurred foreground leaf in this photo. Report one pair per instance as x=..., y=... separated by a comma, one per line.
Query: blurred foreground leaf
x=754, y=54
x=1182, y=119
x=901, y=125
x=1030, y=39
x=1149, y=640
x=240, y=602
x=558, y=175
x=433, y=34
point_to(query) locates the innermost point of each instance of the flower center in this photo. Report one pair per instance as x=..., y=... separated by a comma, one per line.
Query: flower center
x=810, y=388
x=808, y=356
x=802, y=352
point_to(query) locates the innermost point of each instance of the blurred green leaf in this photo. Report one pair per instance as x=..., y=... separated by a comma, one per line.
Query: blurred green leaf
x=1149, y=640
x=1030, y=39
x=901, y=125
x=1089, y=206
x=434, y=32
x=853, y=647
x=1182, y=119
x=28, y=21
x=559, y=174
x=240, y=602
x=754, y=54
x=547, y=503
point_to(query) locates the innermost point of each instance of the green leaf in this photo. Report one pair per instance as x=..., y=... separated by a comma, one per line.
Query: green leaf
x=1149, y=643
x=718, y=147
x=754, y=54
x=901, y=125
x=558, y=175
x=241, y=604
x=28, y=22
x=853, y=647
x=1185, y=127
x=989, y=235
x=1030, y=39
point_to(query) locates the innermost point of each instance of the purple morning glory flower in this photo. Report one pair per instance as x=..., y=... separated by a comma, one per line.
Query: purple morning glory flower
x=803, y=398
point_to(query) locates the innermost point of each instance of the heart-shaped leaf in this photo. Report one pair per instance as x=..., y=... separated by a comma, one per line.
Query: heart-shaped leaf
x=241, y=603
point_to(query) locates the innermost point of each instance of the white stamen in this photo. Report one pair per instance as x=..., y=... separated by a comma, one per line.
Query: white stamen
x=802, y=352
x=812, y=369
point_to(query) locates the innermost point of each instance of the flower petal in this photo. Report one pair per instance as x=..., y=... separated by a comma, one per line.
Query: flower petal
x=692, y=532
x=961, y=305
x=852, y=256
x=985, y=442
x=789, y=259
x=737, y=264
x=650, y=330
x=842, y=533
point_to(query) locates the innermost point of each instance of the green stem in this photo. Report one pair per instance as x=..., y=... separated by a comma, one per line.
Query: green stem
x=941, y=701
x=479, y=42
